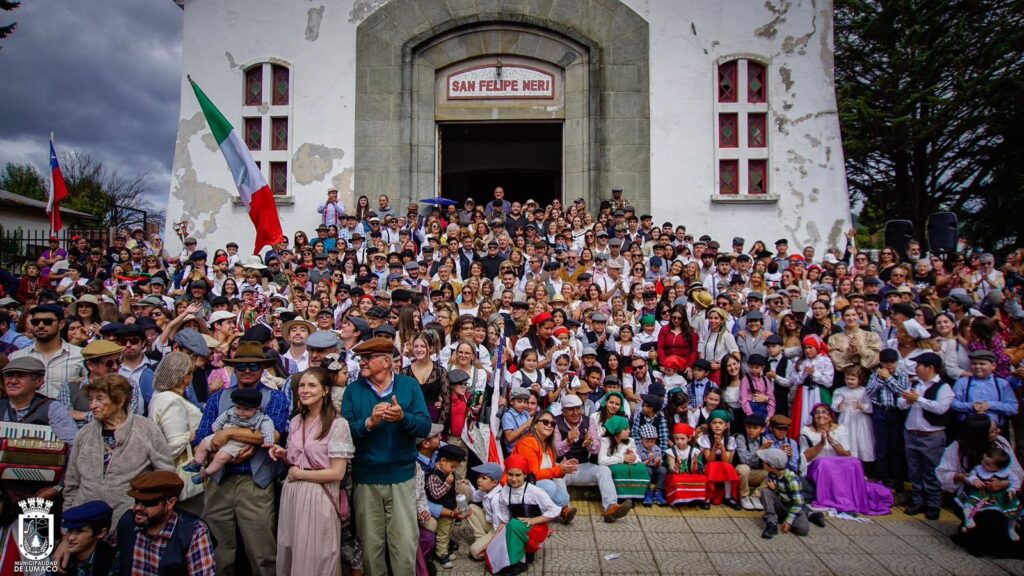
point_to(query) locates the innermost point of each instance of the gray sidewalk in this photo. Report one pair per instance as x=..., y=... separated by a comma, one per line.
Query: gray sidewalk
x=720, y=541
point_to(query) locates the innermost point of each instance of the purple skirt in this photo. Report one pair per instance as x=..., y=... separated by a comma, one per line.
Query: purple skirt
x=840, y=484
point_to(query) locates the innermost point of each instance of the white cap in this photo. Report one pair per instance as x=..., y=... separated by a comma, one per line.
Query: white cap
x=220, y=315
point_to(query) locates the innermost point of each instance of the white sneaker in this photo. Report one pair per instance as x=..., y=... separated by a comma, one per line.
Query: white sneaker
x=747, y=503
x=757, y=503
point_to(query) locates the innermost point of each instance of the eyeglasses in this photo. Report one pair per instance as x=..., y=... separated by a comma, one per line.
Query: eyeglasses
x=130, y=340
x=113, y=363
x=42, y=321
x=249, y=367
x=546, y=422
x=367, y=357
x=676, y=317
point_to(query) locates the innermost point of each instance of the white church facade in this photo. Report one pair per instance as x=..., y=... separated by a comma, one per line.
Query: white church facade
x=720, y=116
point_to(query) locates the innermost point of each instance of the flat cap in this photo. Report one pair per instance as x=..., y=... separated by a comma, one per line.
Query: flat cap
x=91, y=512
x=519, y=393
x=773, y=457
x=491, y=469
x=976, y=355
x=246, y=397
x=458, y=376
x=192, y=341
x=452, y=452
x=156, y=484
x=930, y=359
x=571, y=401
x=99, y=348
x=25, y=364
x=375, y=346
x=322, y=339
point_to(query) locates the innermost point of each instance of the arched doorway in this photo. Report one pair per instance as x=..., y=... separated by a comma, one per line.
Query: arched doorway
x=597, y=53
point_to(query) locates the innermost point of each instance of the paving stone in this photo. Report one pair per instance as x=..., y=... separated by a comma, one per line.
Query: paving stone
x=794, y=564
x=852, y=564
x=570, y=560
x=733, y=542
x=958, y=562
x=749, y=525
x=664, y=524
x=856, y=528
x=622, y=540
x=711, y=525
x=579, y=539
x=911, y=527
x=738, y=563
x=909, y=565
x=669, y=541
x=930, y=544
x=629, y=523
x=824, y=541
x=628, y=562
x=883, y=544
x=684, y=563
x=788, y=543
x=1013, y=566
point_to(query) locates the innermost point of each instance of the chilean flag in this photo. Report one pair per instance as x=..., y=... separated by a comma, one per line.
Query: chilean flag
x=58, y=191
x=252, y=186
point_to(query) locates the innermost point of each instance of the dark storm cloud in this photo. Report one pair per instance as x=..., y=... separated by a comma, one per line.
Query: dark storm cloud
x=103, y=75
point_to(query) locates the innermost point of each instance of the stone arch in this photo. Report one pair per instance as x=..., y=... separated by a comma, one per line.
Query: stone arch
x=602, y=45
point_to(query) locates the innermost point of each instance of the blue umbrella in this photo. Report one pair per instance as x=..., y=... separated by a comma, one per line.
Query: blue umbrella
x=439, y=201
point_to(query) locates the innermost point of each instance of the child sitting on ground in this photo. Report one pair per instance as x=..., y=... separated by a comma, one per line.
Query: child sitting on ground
x=618, y=453
x=650, y=454
x=782, y=497
x=994, y=465
x=717, y=447
x=482, y=510
x=245, y=413
x=525, y=511
x=685, y=482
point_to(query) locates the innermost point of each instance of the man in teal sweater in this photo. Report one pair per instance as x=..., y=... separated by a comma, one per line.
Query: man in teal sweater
x=386, y=413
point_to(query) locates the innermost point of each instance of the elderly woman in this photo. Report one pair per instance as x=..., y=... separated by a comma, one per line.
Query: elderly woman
x=538, y=447
x=112, y=449
x=178, y=419
x=989, y=536
x=838, y=477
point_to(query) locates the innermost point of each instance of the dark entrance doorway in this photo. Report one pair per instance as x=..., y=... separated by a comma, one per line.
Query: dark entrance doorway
x=523, y=158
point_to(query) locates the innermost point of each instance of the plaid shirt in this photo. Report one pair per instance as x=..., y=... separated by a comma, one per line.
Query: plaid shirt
x=787, y=486
x=659, y=423
x=149, y=549
x=885, y=393
x=65, y=366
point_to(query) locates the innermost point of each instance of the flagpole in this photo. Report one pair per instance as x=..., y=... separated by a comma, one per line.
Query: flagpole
x=49, y=203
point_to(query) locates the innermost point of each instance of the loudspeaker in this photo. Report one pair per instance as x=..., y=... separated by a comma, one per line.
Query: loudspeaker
x=942, y=233
x=898, y=233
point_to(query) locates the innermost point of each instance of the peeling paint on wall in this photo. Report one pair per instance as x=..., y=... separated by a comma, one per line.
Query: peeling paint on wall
x=787, y=77
x=200, y=202
x=792, y=43
x=210, y=142
x=771, y=28
x=837, y=232
x=313, y=18
x=231, y=60
x=342, y=182
x=312, y=162
x=361, y=9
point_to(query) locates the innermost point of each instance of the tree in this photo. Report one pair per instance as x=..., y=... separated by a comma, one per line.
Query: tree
x=929, y=98
x=24, y=180
x=7, y=6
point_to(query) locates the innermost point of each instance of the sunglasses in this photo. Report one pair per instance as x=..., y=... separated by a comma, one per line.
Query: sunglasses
x=546, y=422
x=132, y=340
x=368, y=357
x=150, y=503
x=249, y=367
x=42, y=321
x=113, y=363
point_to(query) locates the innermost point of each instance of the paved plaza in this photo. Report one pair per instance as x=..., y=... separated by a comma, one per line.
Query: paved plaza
x=721, y=541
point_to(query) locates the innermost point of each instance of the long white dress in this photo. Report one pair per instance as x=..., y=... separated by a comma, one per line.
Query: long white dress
x=855, y=415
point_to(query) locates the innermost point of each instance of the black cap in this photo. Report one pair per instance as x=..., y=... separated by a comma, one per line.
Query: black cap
x=754, y=420
x=52, y=308
x=888, y=355
x=452, y=452
x=246, y=397
x=702, y=364
x=929, y=359
x=757, y=360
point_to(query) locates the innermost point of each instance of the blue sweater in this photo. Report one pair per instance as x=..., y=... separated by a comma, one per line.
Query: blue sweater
x=386, y=454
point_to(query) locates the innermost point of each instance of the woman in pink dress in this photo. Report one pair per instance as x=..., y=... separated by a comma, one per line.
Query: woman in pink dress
x=319, y=448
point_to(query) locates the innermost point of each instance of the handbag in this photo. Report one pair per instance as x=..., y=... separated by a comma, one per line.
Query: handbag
x=341, y=506
x=191, y=489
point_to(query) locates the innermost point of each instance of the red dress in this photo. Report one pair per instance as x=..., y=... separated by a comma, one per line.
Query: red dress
x=688, y=484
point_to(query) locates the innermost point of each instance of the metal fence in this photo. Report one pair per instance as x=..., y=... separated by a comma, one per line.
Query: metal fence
x=18, y=247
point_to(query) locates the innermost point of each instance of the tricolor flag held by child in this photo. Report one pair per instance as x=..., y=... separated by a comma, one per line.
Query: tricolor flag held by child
x=252, y=186
x=58, y=191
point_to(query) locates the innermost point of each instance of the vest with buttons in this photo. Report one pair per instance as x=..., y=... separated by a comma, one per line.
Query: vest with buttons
x=932, y=418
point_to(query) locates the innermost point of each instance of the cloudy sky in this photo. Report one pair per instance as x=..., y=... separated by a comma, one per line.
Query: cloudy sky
x=103, y=75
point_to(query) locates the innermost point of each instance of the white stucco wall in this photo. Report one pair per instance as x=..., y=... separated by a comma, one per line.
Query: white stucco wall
x=686, y=38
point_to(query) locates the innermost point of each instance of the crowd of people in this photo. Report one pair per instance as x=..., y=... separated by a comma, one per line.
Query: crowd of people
x=227, y=414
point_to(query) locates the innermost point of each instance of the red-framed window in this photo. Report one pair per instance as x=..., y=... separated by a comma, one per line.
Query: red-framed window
x=757, y=91
x=254, y=133
x=279, y=133
x=280, y=79
x=728, y=130
x=727, y=81
x=757, y=176
x=728, y=177
x=253, y=94
x=741, y=127
x=279, y=178
x=757, y=130
x=266, y=115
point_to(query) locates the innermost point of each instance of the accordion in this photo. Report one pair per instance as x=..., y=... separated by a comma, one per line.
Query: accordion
x=31, y=453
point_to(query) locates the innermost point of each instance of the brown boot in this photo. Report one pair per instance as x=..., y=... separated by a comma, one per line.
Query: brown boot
x=616, y=511
x=567, y=515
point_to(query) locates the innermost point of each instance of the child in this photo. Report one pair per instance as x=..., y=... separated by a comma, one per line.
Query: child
x=458, y=380
x=440, y=488
x=776, y=371
x=671, y=372
x=482, y=510
x=515, y=422
x=782, y=496
x=85, y=528
x=717, y=447
x=651, y=455
x=975, y=497
x=854, y=410
x=712, y=400
x=618, y=452
x=812, y=376
x=528, y=376
x=700, y=384
x=757, y=393
x=245, y=413
x=888, y=420
x=525, y=511
x=563, y=381
x=752, y=474
x=650, y=413
x=686, y=481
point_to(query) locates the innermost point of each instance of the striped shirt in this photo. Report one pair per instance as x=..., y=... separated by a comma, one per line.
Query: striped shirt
x=886, y=393
x=61, y=368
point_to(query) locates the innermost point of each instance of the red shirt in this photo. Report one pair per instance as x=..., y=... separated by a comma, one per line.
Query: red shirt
x=457, y=415
x=671, y=344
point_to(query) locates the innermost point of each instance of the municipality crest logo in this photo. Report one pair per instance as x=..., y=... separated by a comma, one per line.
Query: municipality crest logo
x=35, y=528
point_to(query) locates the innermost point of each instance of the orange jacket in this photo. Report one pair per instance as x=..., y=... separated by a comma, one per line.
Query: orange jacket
x=529, y=447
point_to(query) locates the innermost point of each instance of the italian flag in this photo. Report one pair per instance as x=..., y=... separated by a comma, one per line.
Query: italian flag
x=512, y=542
x=252, y=186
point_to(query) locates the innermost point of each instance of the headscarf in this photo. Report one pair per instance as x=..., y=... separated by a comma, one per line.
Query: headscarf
x=518, y=462
x=720, y=414
x=616, y=424
x=171, y=370
x=815, y=341
x=604, y=399
x=683, y=428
